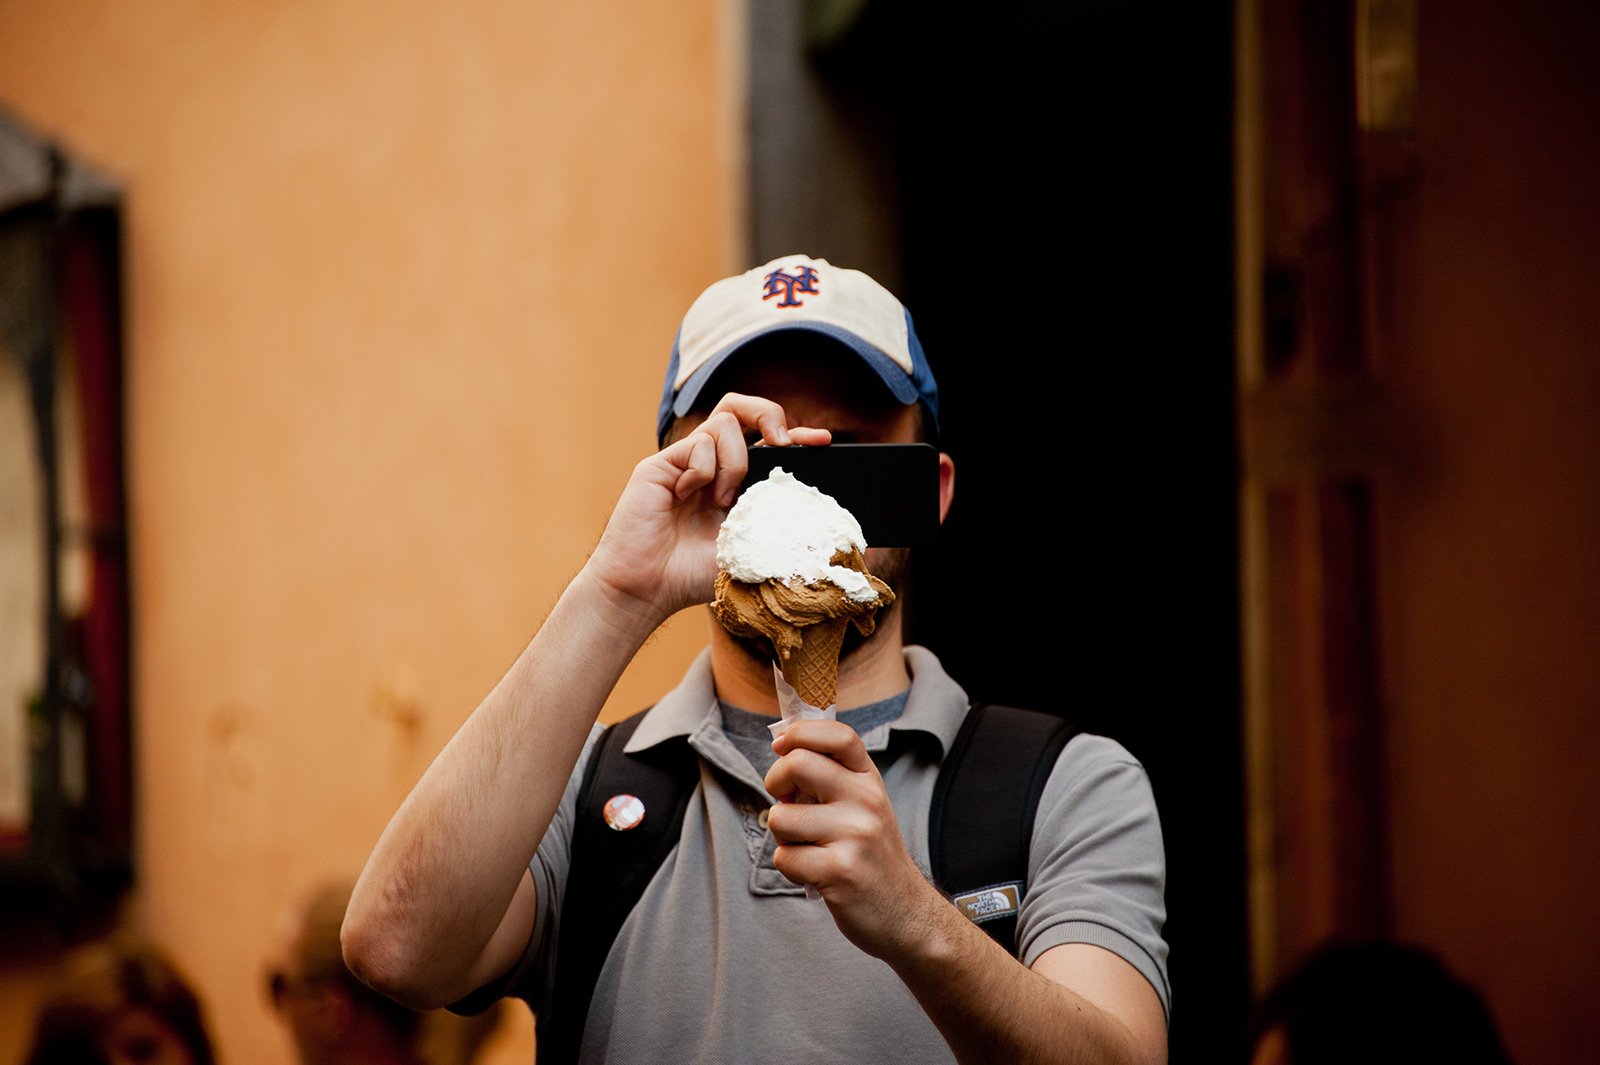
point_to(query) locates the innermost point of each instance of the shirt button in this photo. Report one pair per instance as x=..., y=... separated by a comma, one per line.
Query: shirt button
x=761, y=818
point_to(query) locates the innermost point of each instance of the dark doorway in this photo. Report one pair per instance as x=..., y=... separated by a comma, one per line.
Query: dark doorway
x=1047, y=187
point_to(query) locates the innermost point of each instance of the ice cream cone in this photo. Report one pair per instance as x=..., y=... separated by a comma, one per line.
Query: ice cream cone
x=813, y=667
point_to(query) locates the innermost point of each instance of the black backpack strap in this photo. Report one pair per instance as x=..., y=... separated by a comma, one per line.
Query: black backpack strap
x=981, y=824
x=610, y=869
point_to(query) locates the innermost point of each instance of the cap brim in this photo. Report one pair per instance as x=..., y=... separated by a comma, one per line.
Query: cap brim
x=891, y=373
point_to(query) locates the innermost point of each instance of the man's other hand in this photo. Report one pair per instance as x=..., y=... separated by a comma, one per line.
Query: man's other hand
x=658, y=552
x=837, y=832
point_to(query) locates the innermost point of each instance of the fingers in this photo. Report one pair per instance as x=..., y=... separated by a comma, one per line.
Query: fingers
x=804, y=822
x=830, y=843
x=716, y=453
x=757, y=414
x=835, y=769
x=713, y=454
x=832, y=738
x=846, y=846
x=659, y=542
x=805, y=865
x=850, y=845
x=733, y=458
x=695, y=456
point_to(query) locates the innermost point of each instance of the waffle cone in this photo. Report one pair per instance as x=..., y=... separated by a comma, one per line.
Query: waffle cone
x=813, y=667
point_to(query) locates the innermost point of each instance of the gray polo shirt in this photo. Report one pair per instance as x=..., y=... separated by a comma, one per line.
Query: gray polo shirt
x=724, y=960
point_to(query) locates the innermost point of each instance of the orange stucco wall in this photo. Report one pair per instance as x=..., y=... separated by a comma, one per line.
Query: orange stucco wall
x=402, y=279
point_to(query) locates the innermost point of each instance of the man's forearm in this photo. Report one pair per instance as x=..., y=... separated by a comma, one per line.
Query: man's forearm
x=989, y=1007
x=446, y=869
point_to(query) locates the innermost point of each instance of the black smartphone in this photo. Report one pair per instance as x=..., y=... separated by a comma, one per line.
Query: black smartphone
x=892, y=489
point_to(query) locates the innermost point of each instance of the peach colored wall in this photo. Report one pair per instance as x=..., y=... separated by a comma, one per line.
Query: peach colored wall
x=402, y=279
x=1491, y=534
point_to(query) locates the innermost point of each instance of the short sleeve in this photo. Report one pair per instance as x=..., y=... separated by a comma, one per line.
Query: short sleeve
x=1097, y=867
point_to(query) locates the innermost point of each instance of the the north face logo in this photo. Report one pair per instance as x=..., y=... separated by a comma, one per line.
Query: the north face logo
x=802, y=282
x=989, y=903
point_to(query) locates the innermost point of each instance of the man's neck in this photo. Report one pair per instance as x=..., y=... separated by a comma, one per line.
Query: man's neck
x=874, y=671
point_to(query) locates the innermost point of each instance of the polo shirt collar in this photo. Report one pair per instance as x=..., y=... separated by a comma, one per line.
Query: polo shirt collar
x=935, y=707
x=681, y=711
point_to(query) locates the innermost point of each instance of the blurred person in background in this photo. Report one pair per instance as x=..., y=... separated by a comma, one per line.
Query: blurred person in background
x=333, y=1018
x=120, y=1003
x=1377, y=1003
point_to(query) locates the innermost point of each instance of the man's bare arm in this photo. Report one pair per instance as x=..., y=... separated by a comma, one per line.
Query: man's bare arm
x=1079, y=1003
x=445, y=903
x=425, y=922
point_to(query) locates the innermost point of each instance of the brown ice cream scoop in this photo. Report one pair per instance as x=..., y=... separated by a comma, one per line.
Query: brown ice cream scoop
x=804, y=622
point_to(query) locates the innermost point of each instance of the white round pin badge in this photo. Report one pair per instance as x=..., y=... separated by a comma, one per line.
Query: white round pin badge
x=622, y=812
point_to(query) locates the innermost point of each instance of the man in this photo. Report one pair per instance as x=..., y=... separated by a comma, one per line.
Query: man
x=333, y=1018
x=724, y=958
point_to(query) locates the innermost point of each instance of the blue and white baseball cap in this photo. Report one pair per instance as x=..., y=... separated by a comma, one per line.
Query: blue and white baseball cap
x=797, y=292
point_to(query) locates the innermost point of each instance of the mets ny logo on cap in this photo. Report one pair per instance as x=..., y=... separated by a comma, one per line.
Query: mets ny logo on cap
x=778, y=283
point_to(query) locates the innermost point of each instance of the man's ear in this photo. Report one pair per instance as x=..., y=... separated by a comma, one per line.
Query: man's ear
x=947, y=484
